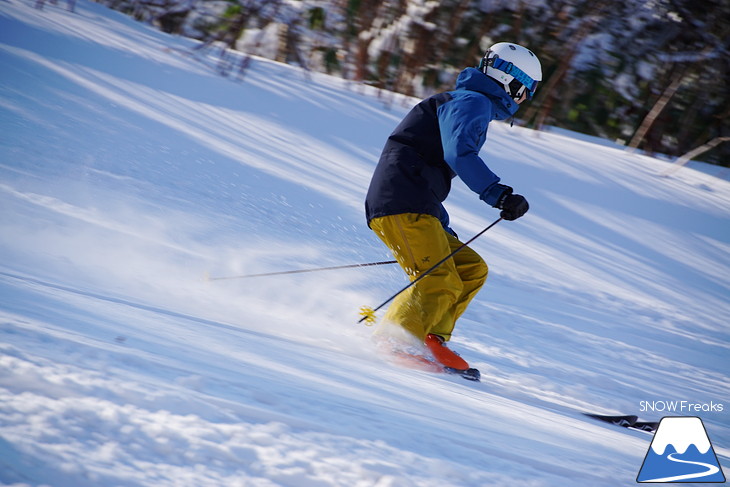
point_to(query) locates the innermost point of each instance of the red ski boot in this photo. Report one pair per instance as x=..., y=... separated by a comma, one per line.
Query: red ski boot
x=443, y=354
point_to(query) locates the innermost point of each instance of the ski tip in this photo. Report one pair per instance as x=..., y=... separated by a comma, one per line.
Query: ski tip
x=626, y=421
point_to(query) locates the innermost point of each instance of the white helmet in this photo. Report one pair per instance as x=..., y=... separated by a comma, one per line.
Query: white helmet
x=514, y=67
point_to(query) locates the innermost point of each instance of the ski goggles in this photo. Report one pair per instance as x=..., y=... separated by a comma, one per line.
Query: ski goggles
x=520, y=76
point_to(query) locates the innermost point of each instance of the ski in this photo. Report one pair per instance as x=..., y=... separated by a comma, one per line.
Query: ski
x=626, y=421
x=468, y=374
x=415, y=361
x=649, y=426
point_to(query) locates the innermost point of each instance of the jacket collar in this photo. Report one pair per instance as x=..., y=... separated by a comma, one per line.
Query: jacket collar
x=472, y=79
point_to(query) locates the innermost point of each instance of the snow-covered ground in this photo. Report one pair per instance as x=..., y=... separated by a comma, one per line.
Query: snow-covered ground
x=129, y=170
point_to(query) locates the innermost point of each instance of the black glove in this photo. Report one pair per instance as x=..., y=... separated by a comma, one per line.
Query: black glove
x=513, y=206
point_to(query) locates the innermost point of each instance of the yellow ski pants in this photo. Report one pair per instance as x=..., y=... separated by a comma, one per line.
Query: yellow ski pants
x=434, y=303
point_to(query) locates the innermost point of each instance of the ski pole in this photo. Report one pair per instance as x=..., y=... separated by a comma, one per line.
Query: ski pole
x=246, y=276
x=368, y=314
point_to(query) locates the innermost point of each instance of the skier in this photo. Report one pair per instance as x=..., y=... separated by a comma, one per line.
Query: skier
x=439, y=139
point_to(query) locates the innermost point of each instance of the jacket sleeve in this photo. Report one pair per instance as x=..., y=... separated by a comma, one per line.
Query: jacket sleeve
x=463, y=122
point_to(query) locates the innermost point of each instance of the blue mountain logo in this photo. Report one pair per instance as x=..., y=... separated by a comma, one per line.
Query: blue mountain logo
x=681, y=452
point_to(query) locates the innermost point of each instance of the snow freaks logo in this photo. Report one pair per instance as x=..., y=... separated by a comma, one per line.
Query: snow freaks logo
x=681, y=452
x=679, y=407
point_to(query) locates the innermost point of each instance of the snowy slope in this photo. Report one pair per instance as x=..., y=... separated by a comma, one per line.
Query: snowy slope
x=129, y=169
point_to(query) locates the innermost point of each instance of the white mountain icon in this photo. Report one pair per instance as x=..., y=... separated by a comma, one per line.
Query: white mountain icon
x=681, y=432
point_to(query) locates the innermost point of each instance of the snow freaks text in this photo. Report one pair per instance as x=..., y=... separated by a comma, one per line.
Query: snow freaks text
x=681, y=406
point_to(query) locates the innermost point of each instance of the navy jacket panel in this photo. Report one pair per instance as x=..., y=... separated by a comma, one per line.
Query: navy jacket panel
x=411, y=175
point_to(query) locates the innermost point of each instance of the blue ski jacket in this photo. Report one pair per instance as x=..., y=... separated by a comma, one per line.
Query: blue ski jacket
x=437, y=140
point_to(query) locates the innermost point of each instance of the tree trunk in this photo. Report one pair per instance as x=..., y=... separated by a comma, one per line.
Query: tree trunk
x=656, y=110
x=681, y=161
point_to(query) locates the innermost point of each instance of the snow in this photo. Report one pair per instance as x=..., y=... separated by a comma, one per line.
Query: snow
x=129, y=170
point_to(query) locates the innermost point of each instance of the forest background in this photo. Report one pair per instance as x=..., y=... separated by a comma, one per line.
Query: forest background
x=650, y=74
